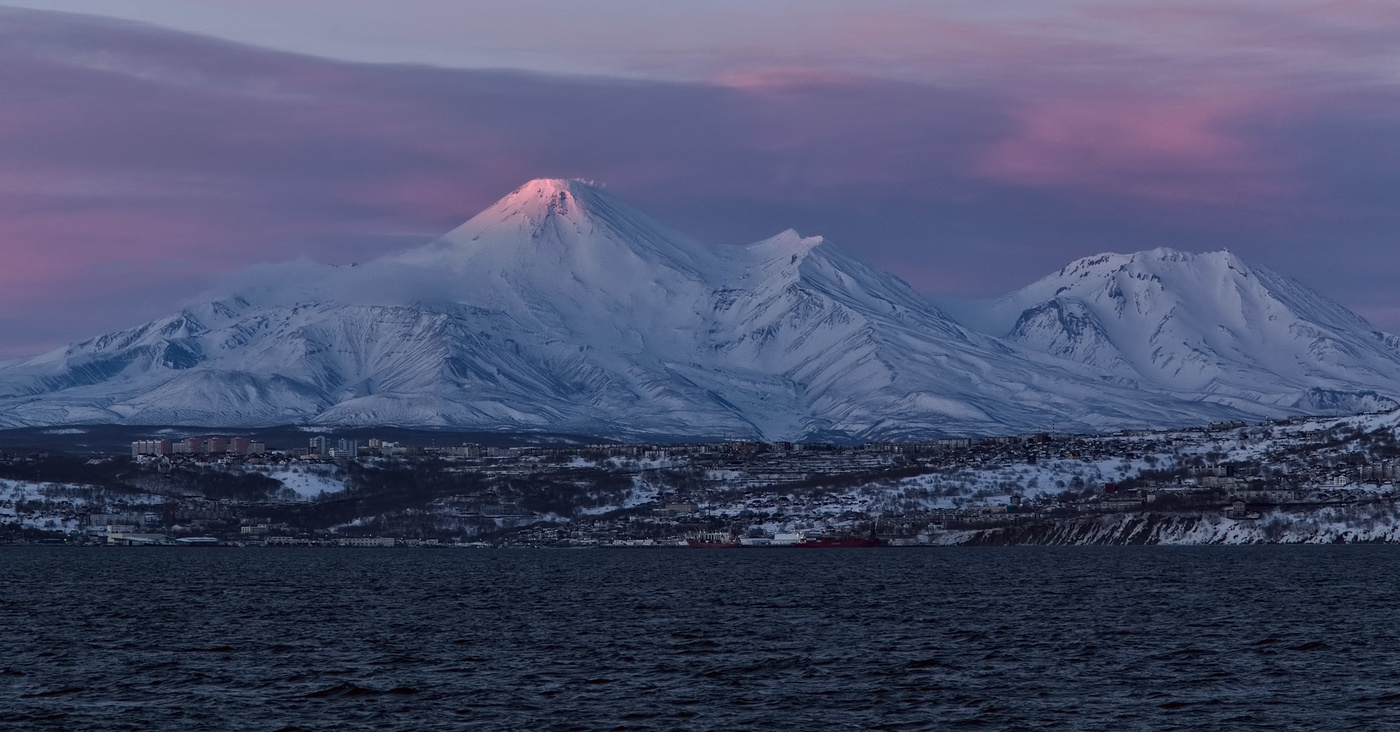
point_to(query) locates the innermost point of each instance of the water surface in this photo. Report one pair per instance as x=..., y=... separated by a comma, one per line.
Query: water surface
x=1094, y=638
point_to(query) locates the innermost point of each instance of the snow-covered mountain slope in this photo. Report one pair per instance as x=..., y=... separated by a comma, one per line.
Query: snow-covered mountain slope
x=562, y=308
x=1209, y=325
x=558, y=308
x=870, y=358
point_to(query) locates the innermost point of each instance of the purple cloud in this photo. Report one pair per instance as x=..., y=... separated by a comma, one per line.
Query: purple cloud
x=138, y=166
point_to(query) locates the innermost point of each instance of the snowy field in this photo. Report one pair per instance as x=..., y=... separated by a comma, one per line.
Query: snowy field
x=47, y=506
x=307, y=482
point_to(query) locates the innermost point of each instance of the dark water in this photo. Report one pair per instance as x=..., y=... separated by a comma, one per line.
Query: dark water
x=1142, y=638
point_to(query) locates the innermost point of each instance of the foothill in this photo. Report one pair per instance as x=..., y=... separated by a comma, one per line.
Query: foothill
x=1297, y=480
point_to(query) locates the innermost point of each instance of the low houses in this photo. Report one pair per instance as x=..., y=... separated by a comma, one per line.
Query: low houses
x=368, y=541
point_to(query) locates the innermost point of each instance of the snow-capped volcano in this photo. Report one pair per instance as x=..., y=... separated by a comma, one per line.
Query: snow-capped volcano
x=563, y=308
x=566, y=250
x=1207, y=324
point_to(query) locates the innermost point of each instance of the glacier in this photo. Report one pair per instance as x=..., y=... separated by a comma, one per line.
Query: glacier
x=561, y=308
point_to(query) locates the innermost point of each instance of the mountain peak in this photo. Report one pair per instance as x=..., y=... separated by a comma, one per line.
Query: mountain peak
x=541, y=199
x=556, y=185
x=1176, y=256
x=786, y=242
x=1199, y=322
x=1148, y=275
x=563, y=307
x=555, y=194
x=560, y=227
x=1113, y=261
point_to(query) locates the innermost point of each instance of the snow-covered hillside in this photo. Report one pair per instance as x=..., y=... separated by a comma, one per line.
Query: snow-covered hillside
x=1207, y=326
x=562, y=308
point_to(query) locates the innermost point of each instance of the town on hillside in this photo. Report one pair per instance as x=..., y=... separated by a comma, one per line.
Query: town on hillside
x=1297, y=480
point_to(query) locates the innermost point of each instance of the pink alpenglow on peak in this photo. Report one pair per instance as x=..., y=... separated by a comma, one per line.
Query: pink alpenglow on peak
x=985, y=145
x=563, y=308
x=557, y=195
x=573, y=219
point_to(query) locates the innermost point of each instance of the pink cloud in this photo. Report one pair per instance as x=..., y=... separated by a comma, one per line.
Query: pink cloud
x=1011, y=152
x=47, y=253
x=1177, y=150
x=1343, y=38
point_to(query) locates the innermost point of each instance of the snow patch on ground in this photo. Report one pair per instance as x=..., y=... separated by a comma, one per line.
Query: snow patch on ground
x=965, y=486
x=642, y=493
x=51, y=506
x=1360, y=523
x=308, y=483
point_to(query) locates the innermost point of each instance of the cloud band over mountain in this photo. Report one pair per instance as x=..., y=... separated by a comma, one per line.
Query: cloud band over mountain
x=140, y=165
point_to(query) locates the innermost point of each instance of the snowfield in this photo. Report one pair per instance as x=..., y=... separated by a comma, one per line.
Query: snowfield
x=1368, y=523
x=308, y=482
x=563, y=308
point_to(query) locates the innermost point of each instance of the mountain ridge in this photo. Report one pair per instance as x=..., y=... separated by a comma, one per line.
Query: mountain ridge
x=563, y=308
x=1206, y=323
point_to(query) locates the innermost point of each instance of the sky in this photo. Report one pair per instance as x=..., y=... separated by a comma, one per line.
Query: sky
x=149, y=148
